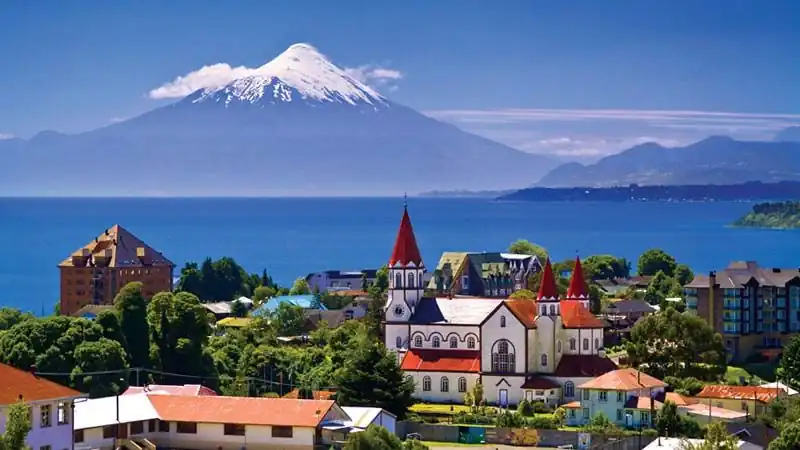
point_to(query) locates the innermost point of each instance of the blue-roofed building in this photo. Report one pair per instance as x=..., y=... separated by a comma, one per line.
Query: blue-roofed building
x=303, y=301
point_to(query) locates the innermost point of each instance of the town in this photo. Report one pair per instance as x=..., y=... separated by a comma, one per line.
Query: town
x=505, y=347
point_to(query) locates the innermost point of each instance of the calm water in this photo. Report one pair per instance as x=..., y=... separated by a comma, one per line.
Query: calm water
x=292, y=237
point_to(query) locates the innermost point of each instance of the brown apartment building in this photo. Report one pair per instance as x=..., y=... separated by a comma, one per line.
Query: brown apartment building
x=755, y=309
x=94, y=273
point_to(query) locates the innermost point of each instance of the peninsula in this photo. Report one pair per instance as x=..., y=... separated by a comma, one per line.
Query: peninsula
x=781, y=215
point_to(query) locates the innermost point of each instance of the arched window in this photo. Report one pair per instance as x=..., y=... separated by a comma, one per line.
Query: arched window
x=572, y=343
x=569, y=389
x=586, y=343
x=398, y=280
x=417, y=341
x=411, y=282
x=462, y=384
x=398, y=342
x=544, y=360
x=552, y=310
x=502, y=321
x=426, y=383
x=436, y=343
x=596, y=343
x=453, y=342
x=544, y=310
x=470, y=342
x=445, y=384
x=503, y=358
x=558, y=346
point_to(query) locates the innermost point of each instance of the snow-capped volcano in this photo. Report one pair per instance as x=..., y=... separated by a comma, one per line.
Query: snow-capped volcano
x=299, y=74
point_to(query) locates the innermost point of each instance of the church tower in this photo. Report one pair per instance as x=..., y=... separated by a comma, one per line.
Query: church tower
x=578, y=290
x=547, y=299
x=406, y=270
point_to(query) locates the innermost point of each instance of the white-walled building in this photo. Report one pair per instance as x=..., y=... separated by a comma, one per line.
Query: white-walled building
x=50, y=406
x=362, y=417
x=517, y=349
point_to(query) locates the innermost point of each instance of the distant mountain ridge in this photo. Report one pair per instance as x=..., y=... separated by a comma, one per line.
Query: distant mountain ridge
x=298, y=125
x=715, y=160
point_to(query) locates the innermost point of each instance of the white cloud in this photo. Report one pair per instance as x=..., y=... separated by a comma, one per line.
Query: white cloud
x=5, y=136
x=375, y=76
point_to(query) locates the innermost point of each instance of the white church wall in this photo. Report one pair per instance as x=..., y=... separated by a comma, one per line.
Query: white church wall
x=453, y=394
x=587, y=341
x=495, y=387
x=394, y=331
x=444, y=333
x=514, y=332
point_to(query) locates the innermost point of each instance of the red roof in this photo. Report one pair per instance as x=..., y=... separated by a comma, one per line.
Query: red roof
x=575, y=315
x=405, y=247
x=583, y=366
x=577, y=285
x=442, y=361
x=623, y=380
x=171, y=389
x=524, y=310
x=762, y=394
x=18, y=383
x=548, y=288
x=241, y=410
x=535, y=382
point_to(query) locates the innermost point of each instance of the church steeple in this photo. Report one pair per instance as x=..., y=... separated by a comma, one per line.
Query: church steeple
x=577, y=285
x=548, y=290
x=405, y=250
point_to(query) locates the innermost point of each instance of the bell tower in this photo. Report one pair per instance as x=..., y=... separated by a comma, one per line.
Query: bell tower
x=406, y=270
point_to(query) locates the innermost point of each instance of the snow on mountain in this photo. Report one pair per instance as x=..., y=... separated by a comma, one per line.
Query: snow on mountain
x=301, y=73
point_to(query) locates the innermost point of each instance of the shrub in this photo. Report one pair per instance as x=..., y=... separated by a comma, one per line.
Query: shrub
x=543, y=422
x=510, y=420
x=525, y=408
x=542, y=408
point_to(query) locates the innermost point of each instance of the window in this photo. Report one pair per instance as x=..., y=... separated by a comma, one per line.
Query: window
x=544, y=310
x=398, y=342
x=151, y=425
x=558, y=346
x=398, y=280
x=411, y=282
x=645, y=417
x=586, y=413
x=552, y=310
x=234, y=429
x=63, y=413
x=163, y=427
x=426, y=383
x=586, y=394
x=620, y=397
x=572, y=413
x=281, y=432
x=77, y=436
x=453, y=342
x=462, y=384
x=417, y=341
x=619, y=415
x=569, y=389
x=436, y=342
x=502, y=321
x=45, y=415
x=603, y=396
x=137, y=427
x=544, y=360
x=470, y=342
x=502, y=359
x=108, y=432
x=585, y=343
x=572, y=343
x=187, y=427
x=444, y=384
x=596, y=343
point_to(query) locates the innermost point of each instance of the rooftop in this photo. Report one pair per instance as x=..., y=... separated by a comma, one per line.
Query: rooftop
x=623, y=380
x=583, y=366
x=442, y=361
x=18, y=384
x=116, y=247
x=575, y=315
x=405, y=251
x=361, y=417
x=739, y=273
x=762, y=394
x=457, y=310
x=303, y=301
x=524, y=310
x=170, y=389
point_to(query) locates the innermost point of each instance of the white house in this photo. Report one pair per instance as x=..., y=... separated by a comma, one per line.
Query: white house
x=205, y=422
x=50, y=406
x=362, y=417
x=517, y=349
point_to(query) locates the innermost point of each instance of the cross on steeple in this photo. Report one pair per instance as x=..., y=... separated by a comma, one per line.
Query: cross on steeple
x=405, y=200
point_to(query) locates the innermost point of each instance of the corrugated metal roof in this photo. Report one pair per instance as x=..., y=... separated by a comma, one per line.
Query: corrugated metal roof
x=458, y=310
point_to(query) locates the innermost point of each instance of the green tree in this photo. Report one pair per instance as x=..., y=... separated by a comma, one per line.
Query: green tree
x=262, y=293
x=606, y=267
x=364, y=282
x=132, y=309
x=375, y=438
x=109, y=322
x=790, y=362
x=10, y=317
x=668, y=420
x=238, y=309
x=717, y=438
x=525, y=247
x=289, y=319
x=653, y=260
x=220, y=280
x=104, y=355
x=372, y=377
x=683, y=274
x=300, y=287
x=788, y=439
x=523, y=294
x=18, y=425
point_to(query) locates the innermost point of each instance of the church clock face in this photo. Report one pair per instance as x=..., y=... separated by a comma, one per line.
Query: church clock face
x=399, y=311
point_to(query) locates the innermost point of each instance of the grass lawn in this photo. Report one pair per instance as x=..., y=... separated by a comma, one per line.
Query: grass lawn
x=733, y=374
x=438, y=409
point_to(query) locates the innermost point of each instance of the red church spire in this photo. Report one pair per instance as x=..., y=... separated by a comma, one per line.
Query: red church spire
x=577, y=285
x=548, y=290
x=405, y=247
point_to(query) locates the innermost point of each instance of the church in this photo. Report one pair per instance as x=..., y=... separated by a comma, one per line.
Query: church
x=517, y=349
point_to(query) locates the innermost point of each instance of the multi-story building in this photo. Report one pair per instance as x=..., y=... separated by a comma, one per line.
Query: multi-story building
x=485, y=274
x=337, y=280
x=755, y=309
x=93, y=274
x=51, y=407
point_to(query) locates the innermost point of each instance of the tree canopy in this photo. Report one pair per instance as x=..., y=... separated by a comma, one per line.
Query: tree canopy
x=525, y=247
x=655, y=260
x=17, y=427
x=789, y=368
x=300, y=287
x=717, y=438
x=221, y=280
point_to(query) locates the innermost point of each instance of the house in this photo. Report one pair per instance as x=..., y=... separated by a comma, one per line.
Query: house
x=361, y=418
x=358, y=307
x=170, y=389
x=754, y=433
x=50, y=406
x=334, y=280
x=617, y=286
x=485, y=274
x=755, y=309
x=752, y=400
x=94, y=274
x=518, y=349
x=304, y=301
x=778, y=385
x=155, y=420
x=666, y=443
x=630, y=309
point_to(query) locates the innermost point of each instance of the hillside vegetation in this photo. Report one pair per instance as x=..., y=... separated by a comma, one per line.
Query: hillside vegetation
x=772, y=215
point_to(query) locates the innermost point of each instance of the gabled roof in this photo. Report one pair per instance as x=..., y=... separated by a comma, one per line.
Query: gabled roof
x=116, y=247
x=623, y=380
x=16, y=383
x=405, y=249
x=642, y=403
x=362, y=417
x=762, y=394
x=442, y=361
x=575, y=315
x=100, y=412
x=171, y=389
x=630, y=306
x=577, y=284
x=457, y=310
x=536, y=382
x=548, y=290
x=583, y=366
x=524, y=310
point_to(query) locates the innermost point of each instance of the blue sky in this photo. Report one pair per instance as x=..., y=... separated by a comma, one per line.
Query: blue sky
x=522, y=72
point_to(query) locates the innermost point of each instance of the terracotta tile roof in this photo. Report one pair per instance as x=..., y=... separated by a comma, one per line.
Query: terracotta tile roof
x=535, y=382
x=316, y=395
x=548, y=290
x=405, y=246
x=571, y=405
x=676, y=398
x=583, y=366
x=642, y=403
x=623, y=380
x=116, y=247
x=762, y=394
x=241, y=410
x=524, y=310
x=16, y=383
x=575, y=315
x=442, y=361
x=577, y=285
x=170, y=389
